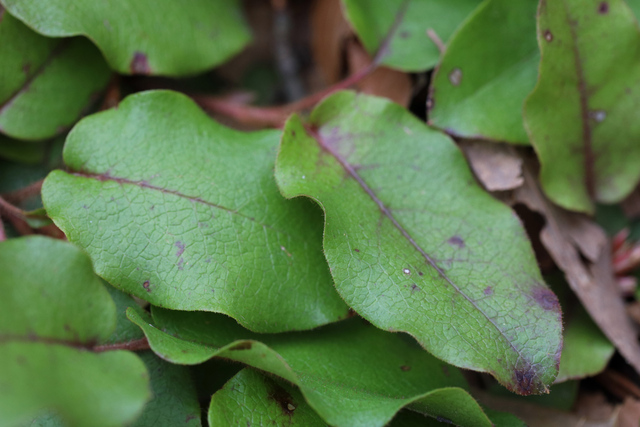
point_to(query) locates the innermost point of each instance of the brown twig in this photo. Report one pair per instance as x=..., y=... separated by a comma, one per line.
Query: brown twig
x=276, y=116
x=9, y=210
x=618, y=384
x=135, y=345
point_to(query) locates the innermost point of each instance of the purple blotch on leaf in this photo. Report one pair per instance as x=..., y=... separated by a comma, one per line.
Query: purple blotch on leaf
x=488, y=291
x=147, y=286
x=546, y=298
x=180, y=247
x=456, y=241
x=603, y=8
x=139, y=64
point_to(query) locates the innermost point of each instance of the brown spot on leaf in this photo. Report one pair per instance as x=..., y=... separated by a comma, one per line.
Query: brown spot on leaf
x=548, y=36
x=488, y=291
x=26, y=68
x=415, y=288
x=404, y=34
x=420, y=273
x=603, y=8
x=456, y=241
x=357, y=250
x=546, y=298
x=405, y=368
x=189, y=418
x=147, y=286
x=241, y=346
x=139, y=64
x=350, y=313
x=283, y=399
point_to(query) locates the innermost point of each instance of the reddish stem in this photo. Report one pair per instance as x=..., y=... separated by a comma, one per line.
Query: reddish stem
x=3, y=235
x=24, y=193
x=275, y=116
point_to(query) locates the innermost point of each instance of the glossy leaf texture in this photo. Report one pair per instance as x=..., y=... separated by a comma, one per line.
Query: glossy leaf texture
x=52, y=311
x=351, y=373
x=402, y=27
x=45, y=84
x=479, y=88
x=146, y=36
x=183, y=212
x=582, y=117
x=415, y=245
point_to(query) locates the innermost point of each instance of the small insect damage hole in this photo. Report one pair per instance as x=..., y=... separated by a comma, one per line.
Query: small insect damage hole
x=405, y=368
x=282, y=398
x=147, y=286
x=548, y=36
x=455, y=76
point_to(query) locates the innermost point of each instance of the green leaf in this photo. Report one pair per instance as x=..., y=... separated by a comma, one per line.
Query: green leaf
x=125, y=330
x=45, y=84
x=400, y=28
x=146, y=36
x=415, y=245
x=351, y=373
x=586, y=351
x=20, y=152
x=174, y=399
x=488, y=70
x=183, y=212
x=251, y=398
x=53, y=309
x=590, y=75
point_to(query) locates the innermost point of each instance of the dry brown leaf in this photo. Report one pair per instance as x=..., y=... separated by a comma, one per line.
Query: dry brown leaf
x=567, y=236
x=329, y=33
x=497, y=166
x=540, y=416
x=629, y=415
x=392, y=84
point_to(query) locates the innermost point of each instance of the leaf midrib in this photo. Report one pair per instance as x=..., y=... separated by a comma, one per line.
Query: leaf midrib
x=144, y=184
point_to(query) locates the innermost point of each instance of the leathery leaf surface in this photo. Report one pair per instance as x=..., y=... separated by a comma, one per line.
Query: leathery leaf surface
x=415, y=245
x=53, y=311
x=582, y=117
x=144, y=36
x=183, y=212
x=351, y=373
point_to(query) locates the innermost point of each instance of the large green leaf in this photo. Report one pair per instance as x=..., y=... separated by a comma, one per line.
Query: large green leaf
x=144, y=36
x=415, y=245
x=53, y=308
x=351, y=373
x=45, y=84
x=479, y=89
x=182, y=212
x=582, y=116
x=400, y=27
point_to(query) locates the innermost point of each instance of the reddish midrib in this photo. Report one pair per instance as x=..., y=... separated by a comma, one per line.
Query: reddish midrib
x=588, y=158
